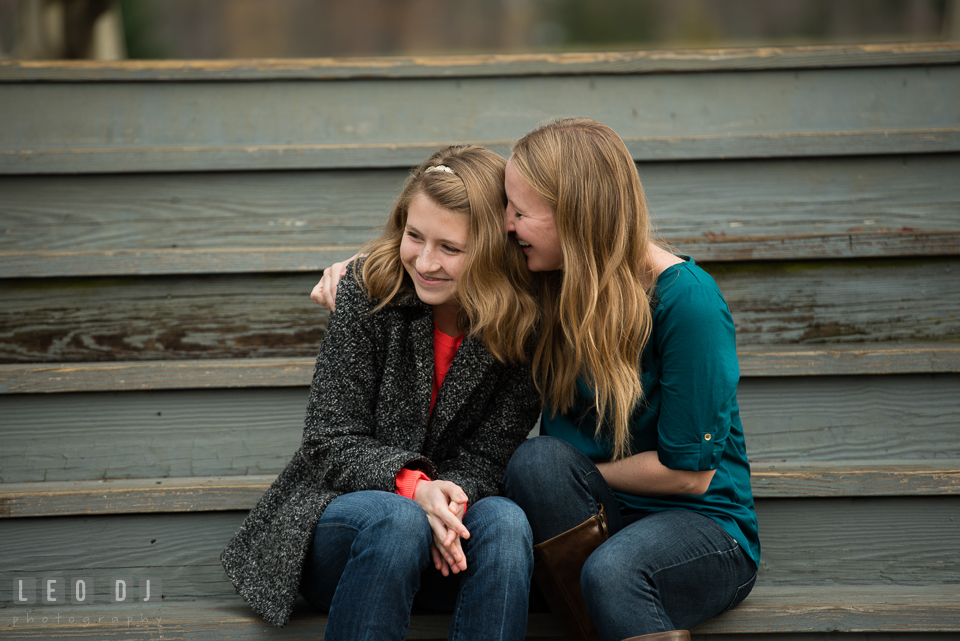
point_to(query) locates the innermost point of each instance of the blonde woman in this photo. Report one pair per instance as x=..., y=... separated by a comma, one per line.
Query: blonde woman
x=420, y=395
x=638, y=492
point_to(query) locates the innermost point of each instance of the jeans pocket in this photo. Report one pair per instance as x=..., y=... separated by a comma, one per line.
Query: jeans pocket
x=742, y=592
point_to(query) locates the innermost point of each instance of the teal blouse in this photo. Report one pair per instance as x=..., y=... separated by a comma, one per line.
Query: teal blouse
x=689, y=411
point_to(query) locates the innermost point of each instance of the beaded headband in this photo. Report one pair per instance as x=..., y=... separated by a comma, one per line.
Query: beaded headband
x=439, y=168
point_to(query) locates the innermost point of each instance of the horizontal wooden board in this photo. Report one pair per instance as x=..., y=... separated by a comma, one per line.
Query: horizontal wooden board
x=291, y=221
x=877, y=613
x=221, y=493
x=157, y=434
x=757, y=361
x=129, y=127
x=839, y=541
x=872, y=420
x=612, y=62
x=850, y=302
x=133, y=262
x=163, y=318
x=272, y=316
x=868, y=419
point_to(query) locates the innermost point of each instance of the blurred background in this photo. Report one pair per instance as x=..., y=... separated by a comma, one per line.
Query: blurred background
x=212, y=29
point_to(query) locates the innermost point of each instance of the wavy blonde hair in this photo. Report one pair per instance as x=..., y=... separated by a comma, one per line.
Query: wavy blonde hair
x=596, y=313
x=495, y=288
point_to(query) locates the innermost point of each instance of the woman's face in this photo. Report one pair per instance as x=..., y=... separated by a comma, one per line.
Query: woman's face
x=532, y=222
x=432, y=250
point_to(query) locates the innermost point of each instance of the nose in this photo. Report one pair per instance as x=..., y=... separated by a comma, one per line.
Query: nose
x=508, y=219
x=426, y=261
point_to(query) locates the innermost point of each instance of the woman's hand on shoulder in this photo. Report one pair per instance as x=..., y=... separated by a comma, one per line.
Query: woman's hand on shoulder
x=325, y=292
x=444, y=503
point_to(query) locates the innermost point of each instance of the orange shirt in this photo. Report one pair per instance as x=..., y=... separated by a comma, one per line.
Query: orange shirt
x=444, y=349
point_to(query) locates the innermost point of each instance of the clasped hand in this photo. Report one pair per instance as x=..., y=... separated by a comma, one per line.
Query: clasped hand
x=445, y=503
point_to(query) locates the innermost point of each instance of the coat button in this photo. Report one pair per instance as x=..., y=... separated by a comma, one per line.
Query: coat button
x=707, y=437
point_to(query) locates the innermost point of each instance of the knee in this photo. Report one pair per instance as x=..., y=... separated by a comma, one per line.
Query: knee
x=499, y=530
x=603, y=577
x=535, y=459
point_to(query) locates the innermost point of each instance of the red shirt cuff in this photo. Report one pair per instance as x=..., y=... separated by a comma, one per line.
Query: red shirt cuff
x=407, y=480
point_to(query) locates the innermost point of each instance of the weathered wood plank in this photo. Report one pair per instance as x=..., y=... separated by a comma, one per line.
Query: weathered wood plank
x=869, y=418
x=909, y=420
x=616, y=62
x=129, y=127
x=846, y=359
x=905, y=540
x=272, y=316
x=156, y=375
x=890, y=613
x=868, y=198
x=883, y=478
x=75, y=320
x=757, y=361
x=156, y=434
x=221, y=493
x=159, y=262
x=818, y=302
x=857, y=540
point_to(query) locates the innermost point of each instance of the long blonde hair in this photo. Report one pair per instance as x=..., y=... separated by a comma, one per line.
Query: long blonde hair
x=495, y=289
x=597, y=316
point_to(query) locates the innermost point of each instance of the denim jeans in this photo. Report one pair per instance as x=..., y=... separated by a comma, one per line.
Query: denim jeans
x=663, y=571
x=369, y=564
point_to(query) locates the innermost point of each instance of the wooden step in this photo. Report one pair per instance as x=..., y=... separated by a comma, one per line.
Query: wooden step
x=715, y=210
x=219, y=493
x=810, y=303
x=879, y=609
x=255, y=430
x=908, y=540
x=755, y=361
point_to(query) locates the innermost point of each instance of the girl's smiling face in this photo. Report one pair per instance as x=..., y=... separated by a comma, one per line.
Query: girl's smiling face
x=432, y=251
x=533, y=223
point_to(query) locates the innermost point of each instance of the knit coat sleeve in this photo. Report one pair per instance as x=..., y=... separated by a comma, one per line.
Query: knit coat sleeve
x=342, y=441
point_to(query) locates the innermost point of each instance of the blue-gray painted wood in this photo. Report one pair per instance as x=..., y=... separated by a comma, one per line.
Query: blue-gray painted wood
x=757, y=361
x=290, y=221
x=611, y=62
x=893, y=541
x=125, y=127
x=868, y=419
x=271, y=316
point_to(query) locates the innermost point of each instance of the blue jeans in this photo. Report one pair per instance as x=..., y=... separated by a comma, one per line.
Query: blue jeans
x=369, y=564
x=663, y=571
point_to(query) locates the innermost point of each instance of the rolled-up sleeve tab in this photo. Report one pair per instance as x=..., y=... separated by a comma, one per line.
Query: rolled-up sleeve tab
x=711, y=451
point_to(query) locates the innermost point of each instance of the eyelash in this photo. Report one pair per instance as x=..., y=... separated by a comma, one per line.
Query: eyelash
x=446, y=248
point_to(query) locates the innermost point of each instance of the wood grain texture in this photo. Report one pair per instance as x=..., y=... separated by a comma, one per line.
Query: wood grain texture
x=870, y=420
x=853, y=542
x=129, y=127
x=74, y=320
x=859, y=540
x=876, y=613
x=272, y=316
x=615, y=62
x=157, y=434
x=818, y=302
x=291, y=221
x=215, y=494
x=314, y=259
x=757, y=361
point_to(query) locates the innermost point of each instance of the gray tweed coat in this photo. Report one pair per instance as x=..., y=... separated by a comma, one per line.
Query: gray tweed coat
x=367, y=418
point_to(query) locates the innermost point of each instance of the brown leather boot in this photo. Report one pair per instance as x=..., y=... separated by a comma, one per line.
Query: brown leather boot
x=673, y=635
x=557, y=566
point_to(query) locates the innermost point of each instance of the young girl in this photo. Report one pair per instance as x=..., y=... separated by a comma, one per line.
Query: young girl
x=421, y=393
